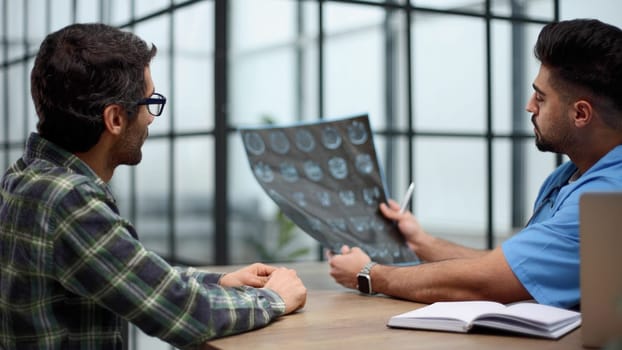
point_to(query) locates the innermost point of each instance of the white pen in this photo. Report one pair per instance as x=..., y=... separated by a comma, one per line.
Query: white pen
x=406, y=200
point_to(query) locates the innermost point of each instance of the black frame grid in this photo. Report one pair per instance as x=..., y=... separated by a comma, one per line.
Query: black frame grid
x=223, y=130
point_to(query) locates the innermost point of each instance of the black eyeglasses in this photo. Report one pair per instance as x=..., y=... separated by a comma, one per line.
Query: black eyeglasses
x=155, y=103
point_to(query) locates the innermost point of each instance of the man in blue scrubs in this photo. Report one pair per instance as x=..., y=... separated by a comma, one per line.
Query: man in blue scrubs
x=576, y=110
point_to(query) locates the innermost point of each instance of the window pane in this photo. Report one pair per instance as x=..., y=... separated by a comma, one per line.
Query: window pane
x=15, y=30
x=61, y=14
x=156, y=31
x=262, y=67
x=449, y=76
x=393, y=158
x=455, y=5
x=120, y=11
x=540, y=9
x=152, y=188
x=263, y=88
x=451, y=202
x=36, y=24
x=604, y=10
x=256, y=25
x=514, y=68
x=309, y=95
x=31, y=114
x=3, y=105
x=146, y=7
x=347, y=18
x=308, y=80
x=122, y=187
x=88, y=11
x=503, y=73
x=354, y=65
x=503, y=202
x=193, y=95
x=16, y=101
x=194, y=183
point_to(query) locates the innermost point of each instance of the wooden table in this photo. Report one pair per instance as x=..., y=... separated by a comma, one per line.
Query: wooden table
x=338, y=318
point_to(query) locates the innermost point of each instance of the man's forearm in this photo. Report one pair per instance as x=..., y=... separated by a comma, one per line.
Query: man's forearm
x=487, y=277
x=437, y=249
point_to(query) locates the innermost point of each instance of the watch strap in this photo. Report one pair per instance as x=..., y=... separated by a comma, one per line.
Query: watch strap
x=364, y=278
x=367, y=268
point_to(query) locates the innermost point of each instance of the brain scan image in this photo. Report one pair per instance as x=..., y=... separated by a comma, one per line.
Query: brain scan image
x=364, y=163
x=371, y=196
x=304, y=140
x=315, y=224
x=279, y=142
x=289, y=172
x=263, y=172
x=300, y=199
x=377, y=225
x=331, y=137
x=254, y=143
x=324, y=198
x=357, y=133
x=360, y=223
x=361, y=227
x=325, y=176
x=338, y=168
x=313, y=170
x=338, y=224
x=347, y=197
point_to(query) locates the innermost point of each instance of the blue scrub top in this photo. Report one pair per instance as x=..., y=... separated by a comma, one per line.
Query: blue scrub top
x=544, y=256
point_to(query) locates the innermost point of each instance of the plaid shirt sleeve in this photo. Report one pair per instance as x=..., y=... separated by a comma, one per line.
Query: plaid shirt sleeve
x=97, y=256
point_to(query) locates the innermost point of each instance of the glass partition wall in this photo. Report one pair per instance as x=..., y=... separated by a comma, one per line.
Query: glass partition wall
x=444, y=83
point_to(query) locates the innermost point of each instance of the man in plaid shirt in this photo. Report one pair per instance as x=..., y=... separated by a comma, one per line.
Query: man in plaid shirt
x=71, y=268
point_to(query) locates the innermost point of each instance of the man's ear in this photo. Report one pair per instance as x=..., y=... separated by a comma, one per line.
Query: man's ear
x=114, y=119
x=583, y=113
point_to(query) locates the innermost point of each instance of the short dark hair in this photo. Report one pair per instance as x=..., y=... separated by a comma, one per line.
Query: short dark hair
x=78, y=71
x=584, y=54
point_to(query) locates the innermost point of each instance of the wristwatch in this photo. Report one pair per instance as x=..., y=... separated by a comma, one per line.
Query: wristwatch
x=364, y=278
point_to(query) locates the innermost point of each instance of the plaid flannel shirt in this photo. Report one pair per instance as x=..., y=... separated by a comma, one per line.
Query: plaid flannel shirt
x=71, y=267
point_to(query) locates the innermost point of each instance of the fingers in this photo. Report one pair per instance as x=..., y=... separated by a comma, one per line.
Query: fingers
x=344, y=267
x=392, y=211
x=345, y=249
x=394, y=205
x=257, y=281
x=289, y=286
x=329, y=254
x=263, y=269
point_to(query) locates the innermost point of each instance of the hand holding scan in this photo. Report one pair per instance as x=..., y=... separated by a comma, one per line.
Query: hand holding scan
x=345, y=266
x=408, y=225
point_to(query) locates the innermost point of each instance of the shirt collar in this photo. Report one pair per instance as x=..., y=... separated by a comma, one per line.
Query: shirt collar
x=39, y=148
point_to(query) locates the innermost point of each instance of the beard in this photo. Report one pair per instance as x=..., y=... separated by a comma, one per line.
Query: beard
x=129, y=149
x=556, y=142
x=544, y=145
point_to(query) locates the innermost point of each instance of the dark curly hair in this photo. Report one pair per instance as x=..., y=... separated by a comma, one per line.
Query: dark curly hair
x=78, y=71
x=585, y=56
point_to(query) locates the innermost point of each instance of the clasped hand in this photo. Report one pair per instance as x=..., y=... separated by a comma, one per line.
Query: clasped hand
x=285, y=282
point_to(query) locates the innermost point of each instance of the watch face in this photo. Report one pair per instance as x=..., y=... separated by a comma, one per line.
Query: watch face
x=364, y=284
